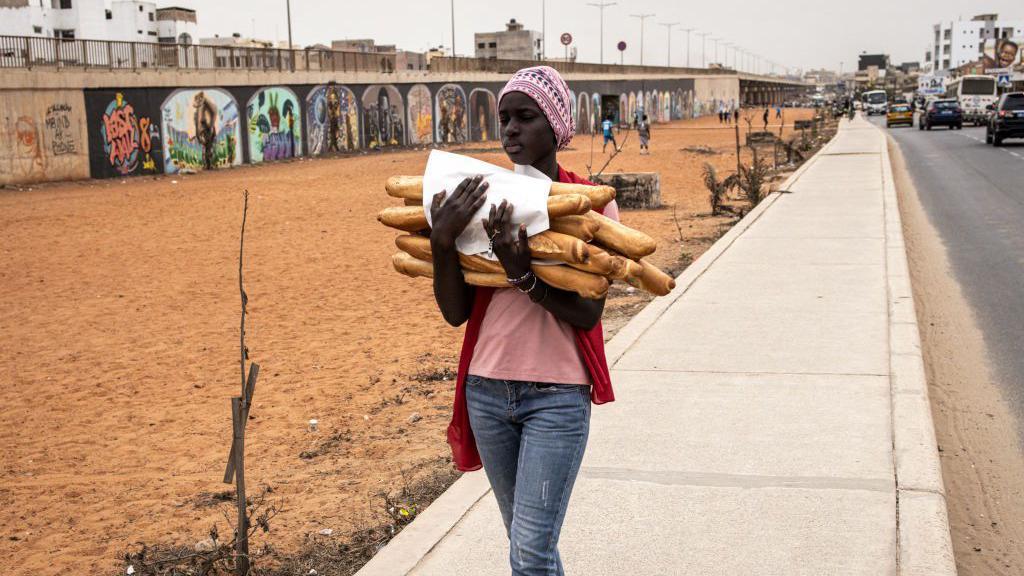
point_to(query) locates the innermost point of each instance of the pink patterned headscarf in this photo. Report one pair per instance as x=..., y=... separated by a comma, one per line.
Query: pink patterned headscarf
x=547, y=88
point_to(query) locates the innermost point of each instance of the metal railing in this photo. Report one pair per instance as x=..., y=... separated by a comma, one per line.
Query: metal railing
x=31, y=52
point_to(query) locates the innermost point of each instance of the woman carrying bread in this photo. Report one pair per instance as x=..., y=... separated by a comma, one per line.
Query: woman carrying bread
x=532, y=360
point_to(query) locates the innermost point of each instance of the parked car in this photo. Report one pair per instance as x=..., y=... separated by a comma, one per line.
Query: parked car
x=944, y=112
x=899, y=114
x=1005, y=118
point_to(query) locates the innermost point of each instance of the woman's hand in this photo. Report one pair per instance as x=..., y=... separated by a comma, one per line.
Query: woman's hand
x=451, y=218
x=510, y=246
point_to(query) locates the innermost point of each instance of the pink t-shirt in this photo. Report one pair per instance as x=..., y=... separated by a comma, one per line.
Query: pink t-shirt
x=520, y=340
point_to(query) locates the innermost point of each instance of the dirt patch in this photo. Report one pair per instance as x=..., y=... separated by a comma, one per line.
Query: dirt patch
x=977, y=434
x=119, y=319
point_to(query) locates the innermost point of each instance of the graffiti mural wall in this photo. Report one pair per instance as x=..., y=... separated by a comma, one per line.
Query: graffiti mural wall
x=200, y=130
x=332, y=118
x=421, y=115
x=383, y=117
x=450, y=114
x=483, y=115
x=128, y=139
x=163, y=130
x=274, y=121
x=43, y=136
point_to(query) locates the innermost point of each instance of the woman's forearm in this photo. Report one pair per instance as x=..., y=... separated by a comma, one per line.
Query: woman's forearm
x=454, y=297
x=570, y=307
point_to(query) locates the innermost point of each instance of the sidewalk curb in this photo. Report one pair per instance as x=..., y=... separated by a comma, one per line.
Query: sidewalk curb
x=403, y=553
x=925, y=547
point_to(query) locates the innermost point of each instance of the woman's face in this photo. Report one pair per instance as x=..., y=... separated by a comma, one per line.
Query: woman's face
x=526, y=135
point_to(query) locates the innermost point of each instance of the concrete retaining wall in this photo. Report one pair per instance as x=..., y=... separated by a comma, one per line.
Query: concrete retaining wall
x=116, y=124
x=43, y=136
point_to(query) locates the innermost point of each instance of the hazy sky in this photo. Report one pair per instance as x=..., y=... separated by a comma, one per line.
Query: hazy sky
x=795, y=33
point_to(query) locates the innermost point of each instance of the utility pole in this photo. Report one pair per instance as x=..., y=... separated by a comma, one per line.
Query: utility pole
x=687, y=30
x=601, y=6
x=726, y=45
x=668, y=31
x=715, y=40
x=703, y=48
x=642, y=17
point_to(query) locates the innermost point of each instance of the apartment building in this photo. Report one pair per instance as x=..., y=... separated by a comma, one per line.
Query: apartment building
x=956, y=43
x=123, y=20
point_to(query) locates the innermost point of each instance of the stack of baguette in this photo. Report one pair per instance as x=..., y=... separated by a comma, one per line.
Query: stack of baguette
x=592, y=250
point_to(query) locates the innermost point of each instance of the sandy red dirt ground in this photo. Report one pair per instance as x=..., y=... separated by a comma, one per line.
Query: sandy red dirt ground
x=119, y=349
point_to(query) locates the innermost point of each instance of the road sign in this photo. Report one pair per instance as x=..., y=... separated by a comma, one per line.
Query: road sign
x=622, y=46
x=1004, y=81
x=566, y=38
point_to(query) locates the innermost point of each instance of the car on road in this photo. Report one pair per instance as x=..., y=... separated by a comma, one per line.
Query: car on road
x=942, y=112
x=1006, y=118
x=899, y=114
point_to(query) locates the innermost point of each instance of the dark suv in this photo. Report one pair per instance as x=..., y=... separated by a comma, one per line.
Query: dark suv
x=1005, y=118
x=941, y=113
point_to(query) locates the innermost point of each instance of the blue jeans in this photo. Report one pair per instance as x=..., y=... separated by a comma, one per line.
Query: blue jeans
x=531, y=437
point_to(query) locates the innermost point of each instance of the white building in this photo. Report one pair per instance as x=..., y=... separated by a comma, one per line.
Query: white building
x=123, y=20
x=954, y=44
x=514, y=43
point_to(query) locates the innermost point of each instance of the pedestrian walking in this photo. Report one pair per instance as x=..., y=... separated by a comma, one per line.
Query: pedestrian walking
x=765, y=119
x=532, y=359
x=736, y=114
x=609, y=136
x=644, y=131
x=778, y=112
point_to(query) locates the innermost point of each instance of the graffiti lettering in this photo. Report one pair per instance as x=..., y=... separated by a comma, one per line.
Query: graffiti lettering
x=121, y=136
x=58, y=126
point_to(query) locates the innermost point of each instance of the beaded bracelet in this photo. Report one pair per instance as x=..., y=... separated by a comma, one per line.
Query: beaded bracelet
x=522, y=279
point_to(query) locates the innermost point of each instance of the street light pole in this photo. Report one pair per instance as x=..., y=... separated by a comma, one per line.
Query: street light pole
x=601, y=6
x=543, y=30
x=288, y=4
x=453, y=28
x=715, y=40
x=642, y=17
x=668, y=31
x=687, y=30
x=726, y=54
x=703, y=48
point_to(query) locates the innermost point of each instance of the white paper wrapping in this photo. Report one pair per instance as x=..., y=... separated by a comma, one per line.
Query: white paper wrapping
x=527, y=189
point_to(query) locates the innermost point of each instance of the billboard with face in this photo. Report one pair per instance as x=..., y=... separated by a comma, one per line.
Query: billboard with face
x=1002, y=53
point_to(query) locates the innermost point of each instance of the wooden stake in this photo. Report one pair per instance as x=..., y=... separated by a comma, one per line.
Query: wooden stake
x=242, y=536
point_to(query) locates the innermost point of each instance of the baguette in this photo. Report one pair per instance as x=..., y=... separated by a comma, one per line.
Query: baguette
x=652, y=279
x=411, y=188
x=416, y=268
x=578, y=226
x=546, y=246
x=412, y=218
x=620, y=238
x=406, y=218
x=585, y=284
x=415, y=261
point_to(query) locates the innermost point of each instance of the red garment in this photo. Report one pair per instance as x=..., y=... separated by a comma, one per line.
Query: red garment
x=590, y=343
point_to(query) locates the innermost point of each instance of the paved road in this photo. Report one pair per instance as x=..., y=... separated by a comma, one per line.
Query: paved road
x=973, y=194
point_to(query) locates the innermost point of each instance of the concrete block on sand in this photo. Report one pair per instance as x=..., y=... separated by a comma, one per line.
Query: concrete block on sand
x=925, y=545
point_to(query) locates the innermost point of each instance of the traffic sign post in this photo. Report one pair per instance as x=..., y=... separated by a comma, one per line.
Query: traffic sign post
x=1004, y=81
x=622, y=50
x=566, y=40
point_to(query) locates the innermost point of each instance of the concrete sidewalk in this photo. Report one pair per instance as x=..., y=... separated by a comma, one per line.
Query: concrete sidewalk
x=771, y=418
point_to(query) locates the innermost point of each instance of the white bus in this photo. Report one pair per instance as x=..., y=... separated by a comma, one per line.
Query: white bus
x=875, y=102
x=974, y=92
